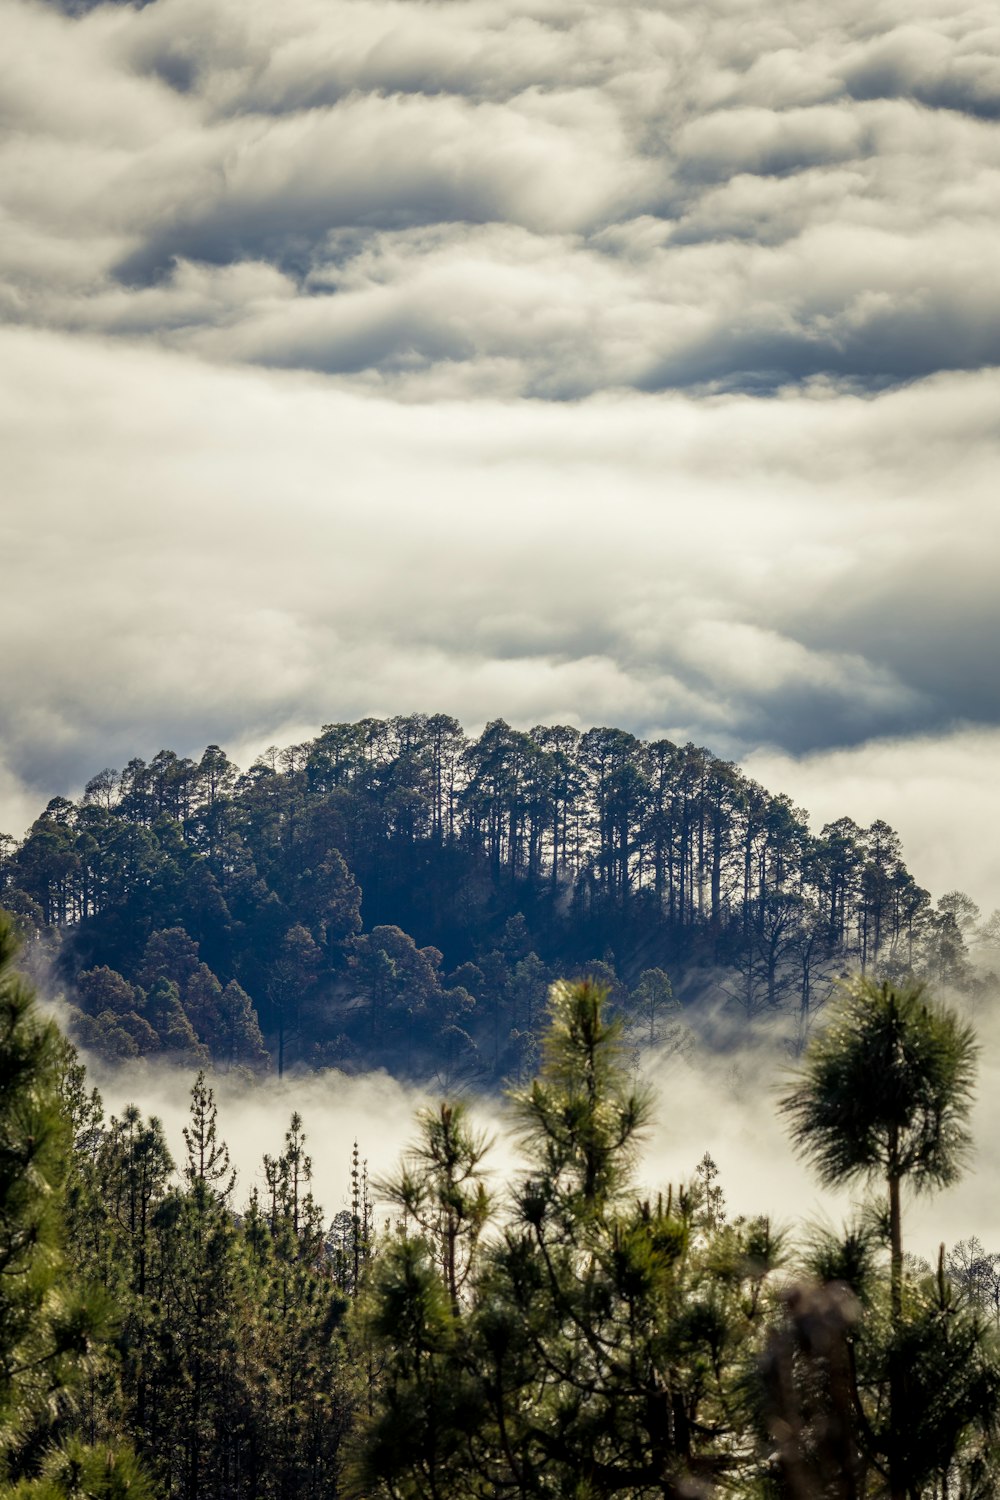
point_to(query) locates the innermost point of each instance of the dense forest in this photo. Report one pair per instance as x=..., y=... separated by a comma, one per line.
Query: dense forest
x=565, y=1335
x=396, y=894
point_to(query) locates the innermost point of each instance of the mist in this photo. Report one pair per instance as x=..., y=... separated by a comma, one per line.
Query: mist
x=723, y=1103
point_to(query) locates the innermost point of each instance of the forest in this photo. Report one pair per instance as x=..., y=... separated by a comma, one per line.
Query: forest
x=396, y=894
x=518, y=915
x=565, y=1334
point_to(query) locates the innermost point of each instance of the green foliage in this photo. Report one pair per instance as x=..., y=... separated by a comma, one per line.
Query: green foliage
x=885, y=1092
x=598, y=1344
x=53, y=1331
x=489, y=866
x=77, y=1471
x=886, y=1089
x=440, y=1188
x=582, y=1117
x=851, y=1257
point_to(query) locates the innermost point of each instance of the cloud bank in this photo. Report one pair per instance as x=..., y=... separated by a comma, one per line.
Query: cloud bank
x=532, y=199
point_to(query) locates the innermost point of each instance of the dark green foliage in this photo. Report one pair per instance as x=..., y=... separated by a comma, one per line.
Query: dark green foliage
x=884, y=1094
x=483, y=869
x=581, y=1116
x=851, y=1257
x=886, y=1089
x=566, y=1336
x=233, y=1377
x=172, y=1023
x=54, y=1330
x=440, y=1191
x=77, y=1471
x=949, y=1388
x=304, y=1393
x=598, y=1345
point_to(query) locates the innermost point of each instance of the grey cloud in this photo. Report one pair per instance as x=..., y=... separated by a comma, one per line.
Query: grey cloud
x=381, y=163
x=927, y=64
x=241, y=550
x=938, y=624
x=302, y=58
x=546, y=202
x=716, y=146
x=83, y=7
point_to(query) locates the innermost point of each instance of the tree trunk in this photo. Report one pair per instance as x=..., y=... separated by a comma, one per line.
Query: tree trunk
x=897, y=1488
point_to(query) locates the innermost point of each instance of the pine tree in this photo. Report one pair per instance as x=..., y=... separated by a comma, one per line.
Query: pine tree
x=441, y=1189
x=202, y=1308
x=599, y=1344
x=53, y=1331
x=303, y=1402
x=884, y=1096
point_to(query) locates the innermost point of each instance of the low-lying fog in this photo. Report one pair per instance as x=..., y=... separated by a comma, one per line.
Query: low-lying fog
x=721, y=1103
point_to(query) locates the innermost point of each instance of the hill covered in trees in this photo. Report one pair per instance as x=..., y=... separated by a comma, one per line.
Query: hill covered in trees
x=394, y=893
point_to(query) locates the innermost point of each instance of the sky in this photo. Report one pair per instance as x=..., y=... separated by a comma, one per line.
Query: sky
x=559, y=361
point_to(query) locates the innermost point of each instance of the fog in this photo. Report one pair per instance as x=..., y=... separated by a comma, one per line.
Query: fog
x=724, y=1103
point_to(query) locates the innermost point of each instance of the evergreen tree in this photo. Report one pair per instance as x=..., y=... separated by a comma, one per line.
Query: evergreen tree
x=599, y=1345
x=303, y=1399
x=197, y=1426
x=53, y=1331
x=884, y=1095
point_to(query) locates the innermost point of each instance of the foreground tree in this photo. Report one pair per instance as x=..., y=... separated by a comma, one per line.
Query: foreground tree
x=53, y=1332
x=599, y=1345
x=884, y=1095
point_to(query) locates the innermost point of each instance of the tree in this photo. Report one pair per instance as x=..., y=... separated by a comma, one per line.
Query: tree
x=53, y=1331
x=203, y=1008
x=653, y=998
x=293, y=972
x=199, y=1314
x=884, y=1094
x=169, y=954
x=302, y=1409
x=441, y=1188
x=242, y=1044
x=974, y=1273
x=596, y=1346
x=170, y=1021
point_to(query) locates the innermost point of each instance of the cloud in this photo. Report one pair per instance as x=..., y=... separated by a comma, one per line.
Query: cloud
x=743, y=1132
x=499, y=198
x=938, y=791
x=960, y=71
x=534, y=358
x=232, y=551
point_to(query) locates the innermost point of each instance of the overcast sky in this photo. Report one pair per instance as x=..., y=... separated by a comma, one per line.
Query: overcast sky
x=626, y=363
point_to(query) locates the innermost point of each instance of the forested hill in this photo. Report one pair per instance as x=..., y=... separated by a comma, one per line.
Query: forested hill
x=396, y=894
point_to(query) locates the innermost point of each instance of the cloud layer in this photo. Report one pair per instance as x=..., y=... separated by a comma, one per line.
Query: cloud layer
x=530, y=198
x=541, y=358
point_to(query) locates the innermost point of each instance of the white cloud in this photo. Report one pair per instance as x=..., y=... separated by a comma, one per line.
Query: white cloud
x=492, y=232
x=810, y=220
x=210, y=553
x=940, y=792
